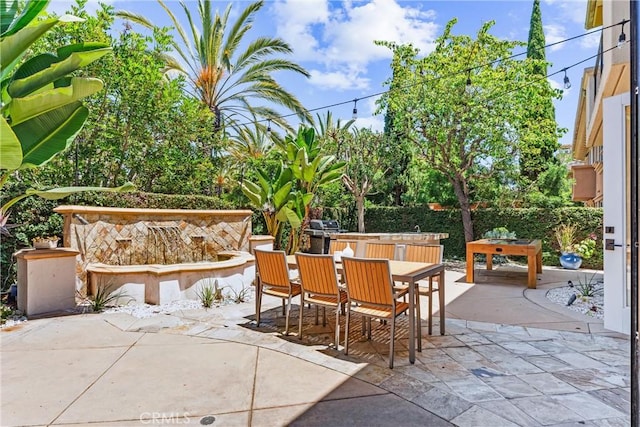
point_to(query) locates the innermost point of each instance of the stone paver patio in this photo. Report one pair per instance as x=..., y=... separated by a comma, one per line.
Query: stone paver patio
x=509, y=358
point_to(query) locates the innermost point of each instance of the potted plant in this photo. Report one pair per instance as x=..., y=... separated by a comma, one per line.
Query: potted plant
x=573, y=253
x=49, y=242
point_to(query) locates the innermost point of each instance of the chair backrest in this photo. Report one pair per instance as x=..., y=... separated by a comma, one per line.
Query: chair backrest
x=424, y=253
x=380, y=250
x=272, y=267
x=339, y=245
x=368, y=280
x=317, y=274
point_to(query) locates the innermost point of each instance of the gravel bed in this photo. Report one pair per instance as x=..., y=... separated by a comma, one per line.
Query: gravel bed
x=591, y=306
x=142, y=311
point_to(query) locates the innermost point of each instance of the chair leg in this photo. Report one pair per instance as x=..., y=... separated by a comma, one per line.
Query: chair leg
x=300, y=316
x=316, y=314
x=324, y=316
x=286, y=318
x=430, y=305
x=283, y=308
x=258, y=306
x=337, y=338
x=369, y=328
x=418, y=316
x=346, y=332
x=393, y=331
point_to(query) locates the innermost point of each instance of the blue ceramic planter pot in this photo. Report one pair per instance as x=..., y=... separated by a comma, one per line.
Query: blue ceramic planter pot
x=570, y=261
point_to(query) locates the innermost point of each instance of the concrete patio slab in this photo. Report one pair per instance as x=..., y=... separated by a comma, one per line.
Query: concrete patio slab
x=215, y=367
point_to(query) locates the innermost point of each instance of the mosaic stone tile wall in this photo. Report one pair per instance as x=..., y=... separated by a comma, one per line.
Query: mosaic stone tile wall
x=152, y=236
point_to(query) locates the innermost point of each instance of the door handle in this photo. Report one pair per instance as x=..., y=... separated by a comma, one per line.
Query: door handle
x=610, y=245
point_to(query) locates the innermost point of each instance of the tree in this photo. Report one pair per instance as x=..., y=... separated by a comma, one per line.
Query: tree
x=142, y=127
x=362, y=151
x=461, y=106
x=42, y=110
x=226, y=79
x=539, y=139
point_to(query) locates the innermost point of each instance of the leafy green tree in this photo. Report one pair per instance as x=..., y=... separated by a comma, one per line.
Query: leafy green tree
x=539, y=139
x=363, y=151
x=461, y=107
x=142, y=127
x=231, y=82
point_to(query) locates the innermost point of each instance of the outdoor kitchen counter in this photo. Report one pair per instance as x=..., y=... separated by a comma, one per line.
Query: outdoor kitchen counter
x=398, y=238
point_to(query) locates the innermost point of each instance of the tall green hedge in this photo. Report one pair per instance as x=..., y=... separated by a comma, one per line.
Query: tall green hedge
x=528, y=223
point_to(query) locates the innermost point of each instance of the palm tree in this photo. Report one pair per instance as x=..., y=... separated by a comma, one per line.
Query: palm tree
x=224, y=78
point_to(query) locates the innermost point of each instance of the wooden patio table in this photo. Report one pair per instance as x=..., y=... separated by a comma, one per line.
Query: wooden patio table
x=411, y=273
x=532, y=249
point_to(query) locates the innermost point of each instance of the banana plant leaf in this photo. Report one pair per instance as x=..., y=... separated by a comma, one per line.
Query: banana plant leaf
x=46, y=135
x=23, y=109
x=61, y=192
x=254, y=193
x=39, y=72
x=10, y=26
x=288, y=214
x=10, y=148
x=15, y=45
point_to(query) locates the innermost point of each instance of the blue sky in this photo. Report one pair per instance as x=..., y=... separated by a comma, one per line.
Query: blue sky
x=333, y=40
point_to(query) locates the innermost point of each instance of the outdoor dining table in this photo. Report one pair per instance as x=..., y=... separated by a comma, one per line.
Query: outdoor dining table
x=410, y=273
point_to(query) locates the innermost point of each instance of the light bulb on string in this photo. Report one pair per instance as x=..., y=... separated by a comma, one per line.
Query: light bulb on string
x=269, y=125
x=468, y=88
x=355, y=109
x=622, y=38
x=567, y=83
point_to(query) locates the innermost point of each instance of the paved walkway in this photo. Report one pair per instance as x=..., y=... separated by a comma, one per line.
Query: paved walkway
x=509, y=358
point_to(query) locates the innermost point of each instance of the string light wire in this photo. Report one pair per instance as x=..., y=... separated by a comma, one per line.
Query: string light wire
x=469, y=70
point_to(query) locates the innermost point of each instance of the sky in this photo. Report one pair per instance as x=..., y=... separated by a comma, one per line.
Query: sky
x=333, y=40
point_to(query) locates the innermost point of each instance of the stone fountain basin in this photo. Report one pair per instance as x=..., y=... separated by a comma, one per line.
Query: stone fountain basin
x=163, y=284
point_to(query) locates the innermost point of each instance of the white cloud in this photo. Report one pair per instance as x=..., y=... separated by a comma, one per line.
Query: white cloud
x=556, y=85
x=573, y=10
x=554, y=33
x=340, y=35
x=339, y=80
x=591, y=41
x=376, y=123
x=59, y=7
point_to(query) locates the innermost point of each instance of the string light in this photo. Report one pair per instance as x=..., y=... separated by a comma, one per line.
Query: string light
x=567, y=83
x=355, y=109
x=269, y=126
x=623, y=37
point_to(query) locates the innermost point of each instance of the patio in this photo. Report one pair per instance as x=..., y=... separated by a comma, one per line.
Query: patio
x=509, y=357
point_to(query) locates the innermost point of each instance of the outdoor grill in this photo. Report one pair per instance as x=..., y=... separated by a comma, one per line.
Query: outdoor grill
x=319, y=232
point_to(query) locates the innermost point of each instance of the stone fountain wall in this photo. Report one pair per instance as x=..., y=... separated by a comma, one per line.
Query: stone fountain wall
x=119, y=236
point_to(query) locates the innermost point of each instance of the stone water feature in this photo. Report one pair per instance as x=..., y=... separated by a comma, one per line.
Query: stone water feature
x=159, y=255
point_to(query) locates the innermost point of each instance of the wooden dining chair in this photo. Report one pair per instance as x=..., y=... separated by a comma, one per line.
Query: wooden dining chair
x=319, y=281
x=370, y=293
x=380, y=250
x=340, y=245
x=431, y=254
x=274, y=279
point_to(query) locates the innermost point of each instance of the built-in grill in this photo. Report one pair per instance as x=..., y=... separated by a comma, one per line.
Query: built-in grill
x=319, y=232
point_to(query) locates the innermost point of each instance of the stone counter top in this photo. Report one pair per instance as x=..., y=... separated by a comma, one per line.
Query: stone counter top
x=407, y=237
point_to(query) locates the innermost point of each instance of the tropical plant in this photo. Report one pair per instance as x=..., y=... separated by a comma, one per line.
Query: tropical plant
x=42, y=110
x=226, y=79
x=272, y=196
